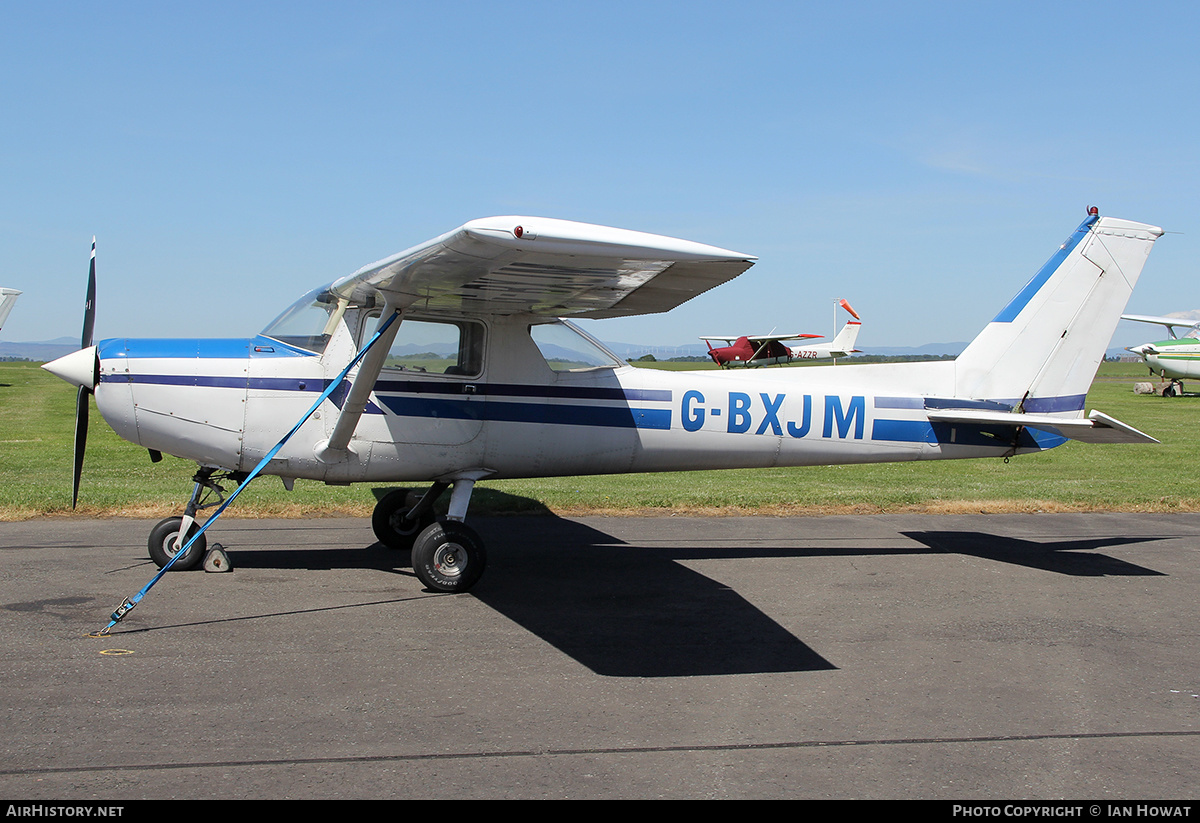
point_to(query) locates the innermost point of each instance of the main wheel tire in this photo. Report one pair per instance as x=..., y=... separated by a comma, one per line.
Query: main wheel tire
x=449, y=557
x=391, y=528
x=162, y=545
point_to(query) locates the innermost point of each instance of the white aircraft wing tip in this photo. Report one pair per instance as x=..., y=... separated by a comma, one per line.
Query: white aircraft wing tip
x=1161, y=321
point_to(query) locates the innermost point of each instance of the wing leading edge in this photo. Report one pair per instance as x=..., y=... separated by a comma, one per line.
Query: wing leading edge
x=1171, y=323
x=536, y=265
x=760, y=338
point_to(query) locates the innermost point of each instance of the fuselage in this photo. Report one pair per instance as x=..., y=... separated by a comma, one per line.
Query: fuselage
x=520, y=411
x=1176, y=358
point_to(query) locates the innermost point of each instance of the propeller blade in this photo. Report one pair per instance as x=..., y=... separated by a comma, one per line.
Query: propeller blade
x=81, y=397
x=89, y=307
x=81, y=427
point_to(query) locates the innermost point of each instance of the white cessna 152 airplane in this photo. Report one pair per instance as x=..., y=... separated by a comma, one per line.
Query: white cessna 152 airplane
x=518, y=392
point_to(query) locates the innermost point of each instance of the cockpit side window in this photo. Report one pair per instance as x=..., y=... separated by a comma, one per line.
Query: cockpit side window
x=437, y=347
x=568, y=349
x=306, y=323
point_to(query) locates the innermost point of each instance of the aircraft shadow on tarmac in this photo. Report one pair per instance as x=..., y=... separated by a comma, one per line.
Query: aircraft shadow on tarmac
x=632, y=611
x=1061, y=557
x=621, y=611
x=635, y=611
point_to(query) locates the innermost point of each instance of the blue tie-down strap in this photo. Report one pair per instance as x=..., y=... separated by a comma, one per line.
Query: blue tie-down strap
x=130, y=602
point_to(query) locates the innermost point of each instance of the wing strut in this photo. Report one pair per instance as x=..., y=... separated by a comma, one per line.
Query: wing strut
x=333, y=450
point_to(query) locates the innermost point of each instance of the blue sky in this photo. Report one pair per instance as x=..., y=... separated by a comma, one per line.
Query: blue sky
x=918, y=159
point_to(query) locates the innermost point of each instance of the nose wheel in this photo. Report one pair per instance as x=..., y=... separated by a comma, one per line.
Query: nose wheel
x=165, y=541
x=170, y=535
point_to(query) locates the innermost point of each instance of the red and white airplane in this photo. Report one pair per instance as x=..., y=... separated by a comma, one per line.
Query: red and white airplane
x=751, y=351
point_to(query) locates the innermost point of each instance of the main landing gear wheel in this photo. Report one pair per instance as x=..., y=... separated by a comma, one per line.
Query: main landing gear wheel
x=162, y=545
x=448, y=557
x=391, y=527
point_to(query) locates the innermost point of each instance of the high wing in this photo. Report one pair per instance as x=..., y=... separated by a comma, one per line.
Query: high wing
x=760, y=338
x=1171, y=323
x=534, y=265
x=544, y=266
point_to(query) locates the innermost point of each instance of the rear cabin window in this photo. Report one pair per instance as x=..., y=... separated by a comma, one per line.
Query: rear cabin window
x=567, y=349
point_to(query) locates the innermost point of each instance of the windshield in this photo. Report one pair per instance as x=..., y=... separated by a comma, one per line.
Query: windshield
x=305, y=324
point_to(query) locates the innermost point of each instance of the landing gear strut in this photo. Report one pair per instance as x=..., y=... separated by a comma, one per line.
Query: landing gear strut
x=169, y=535
x=447, y=555
x=402, y=514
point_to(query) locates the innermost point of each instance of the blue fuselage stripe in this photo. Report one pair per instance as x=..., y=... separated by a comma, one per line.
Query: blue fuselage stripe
x=1045, y=405
x=203, y=348
x=547, y=413
x=962, y=434
x=395, y=387
x=903, y=431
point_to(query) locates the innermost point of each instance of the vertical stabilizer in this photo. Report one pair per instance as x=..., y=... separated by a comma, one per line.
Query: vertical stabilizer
x=844, y=342
x=1041, y=351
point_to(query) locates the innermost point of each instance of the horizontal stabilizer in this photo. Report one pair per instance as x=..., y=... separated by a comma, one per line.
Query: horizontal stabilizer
x=1097, y=427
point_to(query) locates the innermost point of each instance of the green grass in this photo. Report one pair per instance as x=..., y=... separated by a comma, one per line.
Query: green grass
x=119, y=479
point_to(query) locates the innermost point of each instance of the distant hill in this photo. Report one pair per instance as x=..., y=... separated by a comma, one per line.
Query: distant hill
x=44, y=351
x=627, y=351
x=928, y=350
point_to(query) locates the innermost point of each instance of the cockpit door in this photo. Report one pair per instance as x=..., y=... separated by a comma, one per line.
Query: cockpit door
x=431, y=389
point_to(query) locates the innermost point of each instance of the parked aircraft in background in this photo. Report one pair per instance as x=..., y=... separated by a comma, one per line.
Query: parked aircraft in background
x=527, y=394
x=751, y=351
x=8, y=299
x=1177, y=358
